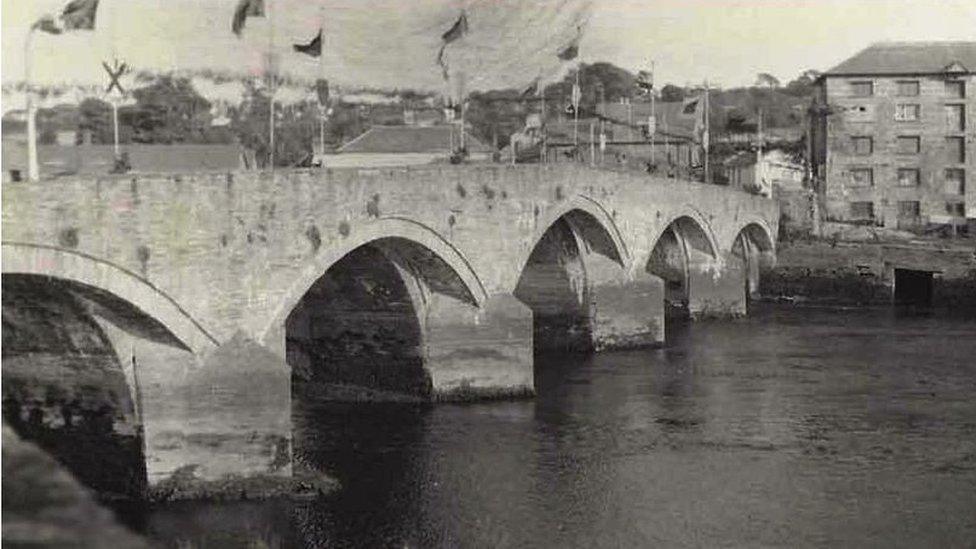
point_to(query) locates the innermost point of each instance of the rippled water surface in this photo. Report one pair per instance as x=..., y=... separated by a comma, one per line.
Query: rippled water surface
x=794, y=427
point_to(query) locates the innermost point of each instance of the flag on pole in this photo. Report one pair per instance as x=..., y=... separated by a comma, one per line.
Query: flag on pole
x=695, y=106
x=531, y=89
x=313, y=48
x=76, y=15
x=453, y=34
x=245, y=9
x=570, y=52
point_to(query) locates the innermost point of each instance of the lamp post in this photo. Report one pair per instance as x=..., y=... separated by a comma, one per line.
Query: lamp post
x=33, y=170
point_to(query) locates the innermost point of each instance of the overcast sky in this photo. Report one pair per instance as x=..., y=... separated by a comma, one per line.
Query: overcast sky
x=392, y=43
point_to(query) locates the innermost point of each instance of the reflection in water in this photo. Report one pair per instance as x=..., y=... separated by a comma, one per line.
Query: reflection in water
x=792, y=427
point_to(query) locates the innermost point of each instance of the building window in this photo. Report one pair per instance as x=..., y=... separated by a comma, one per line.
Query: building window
x=955, y=89
x=955, y=118
x=955, y=181
x=908, y=209
x=956, y=209
x=956, y=150
x=862, y=88
x=863, y=146
x=862, y=177
x=909, y=144
x=908, y=88
x=862, y=210
x=908, y=177
x=907, y=112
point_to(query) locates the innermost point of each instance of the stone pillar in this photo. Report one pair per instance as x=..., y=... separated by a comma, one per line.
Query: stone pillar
x=478, y=352
x=715, y=291
x=213, y=423
x=625, y=311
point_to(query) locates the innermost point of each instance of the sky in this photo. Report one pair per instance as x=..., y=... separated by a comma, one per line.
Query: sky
x=393, y=43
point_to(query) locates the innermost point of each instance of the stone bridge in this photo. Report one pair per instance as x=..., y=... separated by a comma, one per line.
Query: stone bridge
x=221, y=298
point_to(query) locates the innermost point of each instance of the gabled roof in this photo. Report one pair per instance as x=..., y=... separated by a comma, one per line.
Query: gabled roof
x=910, y=58
x=411, y=139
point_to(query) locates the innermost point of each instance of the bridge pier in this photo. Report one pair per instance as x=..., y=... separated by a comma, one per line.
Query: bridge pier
x=209, y=422
x=478, y=352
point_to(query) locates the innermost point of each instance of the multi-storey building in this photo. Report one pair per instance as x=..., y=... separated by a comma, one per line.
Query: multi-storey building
x=893, y=135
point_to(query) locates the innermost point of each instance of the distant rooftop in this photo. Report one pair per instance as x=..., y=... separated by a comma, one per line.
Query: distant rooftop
x=411, y=139
x=910, y=58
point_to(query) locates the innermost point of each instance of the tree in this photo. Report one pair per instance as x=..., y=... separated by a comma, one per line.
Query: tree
x=95, y=118
x=766, y=80
x=168, y=110
x=803, y=84
x=296, y=127
x=670, y=93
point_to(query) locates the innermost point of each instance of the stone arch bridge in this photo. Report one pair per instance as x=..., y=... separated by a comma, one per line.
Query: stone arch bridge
x=221, y=294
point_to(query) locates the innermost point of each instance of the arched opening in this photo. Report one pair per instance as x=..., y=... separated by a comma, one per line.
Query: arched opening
x=752, y=252
x=360, y=323
x=555, y=281
x=65, y=386
x=682, y=246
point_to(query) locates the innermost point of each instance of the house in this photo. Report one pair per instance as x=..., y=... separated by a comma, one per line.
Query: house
x=406, y=146
x=893, y=140
x=626, y=137
x=763, y=172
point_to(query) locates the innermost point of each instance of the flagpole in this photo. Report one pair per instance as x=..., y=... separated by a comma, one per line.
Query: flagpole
x=272, y=84
x=577, y=92
x=545, y=152
x=33, y=170
x=654, y=116
x=707, y=137
x=461, y=99
x=324, y=108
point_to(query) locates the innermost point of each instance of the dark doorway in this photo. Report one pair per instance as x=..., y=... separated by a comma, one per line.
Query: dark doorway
x=913, y=288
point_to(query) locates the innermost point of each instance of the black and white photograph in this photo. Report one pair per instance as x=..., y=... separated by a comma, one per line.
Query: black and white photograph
x=418, y=274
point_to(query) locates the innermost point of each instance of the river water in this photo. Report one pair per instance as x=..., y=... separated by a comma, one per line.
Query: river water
x=793, y=427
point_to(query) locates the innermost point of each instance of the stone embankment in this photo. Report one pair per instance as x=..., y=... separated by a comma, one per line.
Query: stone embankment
x=870, y=272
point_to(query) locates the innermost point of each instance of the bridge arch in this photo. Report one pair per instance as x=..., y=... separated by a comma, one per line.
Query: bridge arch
x=752, y=250
x=120, y=293
x=356, y=314
x=591, y=220
x=70, y=383
x=577, y=246
x=684, y=247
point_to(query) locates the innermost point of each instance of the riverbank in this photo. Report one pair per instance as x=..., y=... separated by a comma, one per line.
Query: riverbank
x=938, y=274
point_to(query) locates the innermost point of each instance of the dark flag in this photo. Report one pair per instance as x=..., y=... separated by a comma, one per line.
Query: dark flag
x=571, y=51
x=570, y=109
x=690, y=105
x=46, y=24
x=245, y=9
x=79, y=14
x=531, y=89
x=313, y=48
x=76, y=15
x=453, y=34
x=457, y=30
